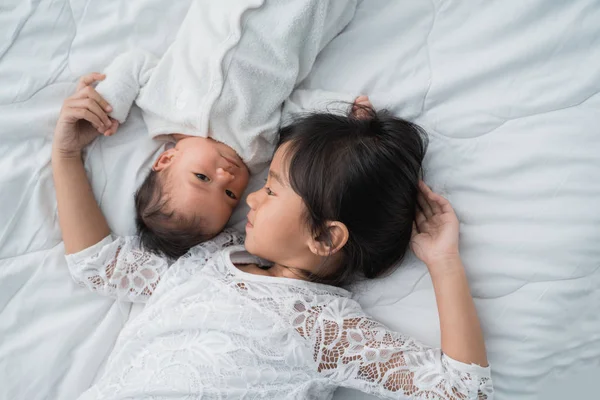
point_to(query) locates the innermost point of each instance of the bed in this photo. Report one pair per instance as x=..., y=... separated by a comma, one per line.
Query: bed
x=509, y=92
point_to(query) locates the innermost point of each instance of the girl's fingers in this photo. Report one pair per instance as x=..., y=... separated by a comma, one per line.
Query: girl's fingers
x=424, y=205
x=92, y=106
x=82, y=113
x=362, y=99
x=440, y=202
x=88, y=79
x=91, y=93
x=435, y=201
x=359, y=107
x=424, y=188
x=414, y=231
x=420, y=218
x=446, y=206
x=113, y=128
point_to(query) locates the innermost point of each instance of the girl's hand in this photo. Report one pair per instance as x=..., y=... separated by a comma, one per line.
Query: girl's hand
x=361, y=106
x=435, y=230
x=83, y=117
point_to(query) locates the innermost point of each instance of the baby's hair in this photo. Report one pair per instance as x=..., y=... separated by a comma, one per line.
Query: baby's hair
x=363, y=172
x=162, y=231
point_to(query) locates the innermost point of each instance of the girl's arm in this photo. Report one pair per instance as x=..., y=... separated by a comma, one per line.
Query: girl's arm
x=353, y=350
x=117, y=268
x=121, y=269
x=83, y=117
x=462, y=338
x=435, y=242
x=81, y=221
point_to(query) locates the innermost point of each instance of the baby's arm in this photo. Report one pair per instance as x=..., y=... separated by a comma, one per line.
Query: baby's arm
x=125, y=77
x=83, y=117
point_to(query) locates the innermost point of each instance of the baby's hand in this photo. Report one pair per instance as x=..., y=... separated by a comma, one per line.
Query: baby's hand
x=361, y=106
x=83, y=117
x=435, y=231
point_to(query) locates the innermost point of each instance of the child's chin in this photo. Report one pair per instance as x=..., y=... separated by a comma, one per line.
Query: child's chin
x=251, y=246
x=248, y=243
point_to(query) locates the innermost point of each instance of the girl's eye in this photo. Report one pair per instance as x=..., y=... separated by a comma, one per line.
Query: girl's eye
x=230, y=194
x=269, y=191
x=203, y=177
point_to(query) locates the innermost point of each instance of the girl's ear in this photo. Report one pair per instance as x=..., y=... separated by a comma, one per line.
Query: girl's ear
x=331, y=241
x=164, y=160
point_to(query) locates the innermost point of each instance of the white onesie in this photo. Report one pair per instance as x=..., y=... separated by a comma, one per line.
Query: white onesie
x=233, y=63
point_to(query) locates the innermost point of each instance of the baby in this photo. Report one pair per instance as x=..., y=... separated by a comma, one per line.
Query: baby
x=195, y=184
x=189, y=195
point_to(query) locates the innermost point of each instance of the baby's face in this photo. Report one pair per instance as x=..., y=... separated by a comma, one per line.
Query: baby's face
x=204, y=179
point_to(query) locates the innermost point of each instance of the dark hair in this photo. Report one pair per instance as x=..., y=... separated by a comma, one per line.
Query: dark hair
x=161, y=231
x=363, y=172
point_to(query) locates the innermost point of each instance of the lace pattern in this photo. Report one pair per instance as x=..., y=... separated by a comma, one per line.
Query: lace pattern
x=121, y=269
x=212, y=331
x=356, y=351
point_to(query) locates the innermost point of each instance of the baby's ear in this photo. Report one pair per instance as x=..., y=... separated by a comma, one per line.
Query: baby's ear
x=331, y=241
x=164, y=160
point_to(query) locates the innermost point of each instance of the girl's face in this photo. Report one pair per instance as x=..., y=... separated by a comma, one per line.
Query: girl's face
x=276, y=228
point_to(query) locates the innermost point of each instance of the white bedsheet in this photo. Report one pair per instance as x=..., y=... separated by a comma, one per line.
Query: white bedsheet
x=510, y=92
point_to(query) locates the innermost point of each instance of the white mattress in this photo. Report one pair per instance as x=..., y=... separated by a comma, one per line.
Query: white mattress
x=510, y=92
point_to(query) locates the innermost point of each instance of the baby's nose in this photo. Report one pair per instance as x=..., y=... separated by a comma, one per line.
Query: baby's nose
x=225, y=175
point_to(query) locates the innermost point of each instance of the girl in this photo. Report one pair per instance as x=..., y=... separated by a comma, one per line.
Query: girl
x=222, y=322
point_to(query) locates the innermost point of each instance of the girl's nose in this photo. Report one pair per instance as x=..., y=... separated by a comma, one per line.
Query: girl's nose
x=252, y=200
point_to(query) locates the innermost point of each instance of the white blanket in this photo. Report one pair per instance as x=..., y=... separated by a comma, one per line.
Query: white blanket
x=509, y=92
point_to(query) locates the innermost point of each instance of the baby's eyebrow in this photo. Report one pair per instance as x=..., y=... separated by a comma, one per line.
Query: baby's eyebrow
x=277, y=177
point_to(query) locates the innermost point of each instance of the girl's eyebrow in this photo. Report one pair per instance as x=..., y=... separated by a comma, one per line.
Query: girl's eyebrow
x=277, y=177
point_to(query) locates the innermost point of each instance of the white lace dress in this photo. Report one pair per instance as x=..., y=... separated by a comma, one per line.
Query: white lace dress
x=212, y=331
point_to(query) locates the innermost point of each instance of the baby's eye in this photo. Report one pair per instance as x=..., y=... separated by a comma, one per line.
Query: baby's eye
x=230, y=194
x=203, y=177
x=269, y=191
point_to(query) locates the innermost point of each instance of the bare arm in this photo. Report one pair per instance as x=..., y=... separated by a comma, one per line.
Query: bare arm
x=81, y=221
x=435, y=242
x=462, y=338
x=83, y=117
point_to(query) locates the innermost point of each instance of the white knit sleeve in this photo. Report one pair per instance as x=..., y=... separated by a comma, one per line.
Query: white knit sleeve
x=125, y=77
x=357, y=352
x=118, y=268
